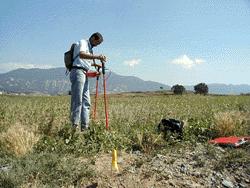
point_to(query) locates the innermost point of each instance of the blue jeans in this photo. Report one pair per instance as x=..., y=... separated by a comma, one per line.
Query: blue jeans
x=80, y=98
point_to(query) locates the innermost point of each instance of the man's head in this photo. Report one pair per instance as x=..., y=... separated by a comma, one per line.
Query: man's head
x=95, y=39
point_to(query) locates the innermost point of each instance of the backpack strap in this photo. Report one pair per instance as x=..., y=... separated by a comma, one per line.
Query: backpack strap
x=76, y=57
x=73, y=46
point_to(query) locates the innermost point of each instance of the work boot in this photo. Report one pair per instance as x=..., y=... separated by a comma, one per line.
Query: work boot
x=84, y=128
x=73, y=128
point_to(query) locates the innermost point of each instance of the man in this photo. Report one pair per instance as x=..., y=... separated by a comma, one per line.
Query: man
x=80, y=96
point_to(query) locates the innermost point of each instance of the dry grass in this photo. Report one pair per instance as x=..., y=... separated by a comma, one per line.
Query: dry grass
x=229, y=123
x=19, y=140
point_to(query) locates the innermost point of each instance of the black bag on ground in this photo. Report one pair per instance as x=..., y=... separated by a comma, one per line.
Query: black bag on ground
x=171, y=126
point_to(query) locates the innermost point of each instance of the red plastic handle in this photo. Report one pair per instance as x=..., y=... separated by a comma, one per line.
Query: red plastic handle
x=92, y=74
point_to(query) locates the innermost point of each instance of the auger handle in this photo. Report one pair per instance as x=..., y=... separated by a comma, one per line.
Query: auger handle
x=103, y=67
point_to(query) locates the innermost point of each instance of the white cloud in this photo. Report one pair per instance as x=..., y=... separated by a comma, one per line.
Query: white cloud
x=187, y=62
x=5, y=67
x=199, y=61
x=132, y=62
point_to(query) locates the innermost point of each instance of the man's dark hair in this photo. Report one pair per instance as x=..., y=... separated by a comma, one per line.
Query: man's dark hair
x=97, y=36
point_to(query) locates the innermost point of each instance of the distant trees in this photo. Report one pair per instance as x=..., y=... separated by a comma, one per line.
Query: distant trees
x=178, y=89
x=201, y=88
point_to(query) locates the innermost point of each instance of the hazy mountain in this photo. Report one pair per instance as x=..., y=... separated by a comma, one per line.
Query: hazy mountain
x=225, y=88
x=229, y=89
x=54, y=81
x=49, y=81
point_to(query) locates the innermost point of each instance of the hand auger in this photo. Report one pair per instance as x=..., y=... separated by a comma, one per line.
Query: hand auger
x=96, y=92
x=104, y=94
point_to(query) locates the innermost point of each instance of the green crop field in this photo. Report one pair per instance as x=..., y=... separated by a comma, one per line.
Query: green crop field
x=38, y=148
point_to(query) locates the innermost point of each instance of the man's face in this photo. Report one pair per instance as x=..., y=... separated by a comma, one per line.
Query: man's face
x=95, y=42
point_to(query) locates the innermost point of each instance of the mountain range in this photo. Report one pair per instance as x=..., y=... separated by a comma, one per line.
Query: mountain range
x=54, y=81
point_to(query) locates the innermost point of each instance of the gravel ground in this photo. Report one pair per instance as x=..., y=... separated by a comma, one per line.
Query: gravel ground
x=199, y=166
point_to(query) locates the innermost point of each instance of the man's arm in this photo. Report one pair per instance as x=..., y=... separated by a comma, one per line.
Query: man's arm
x=84, y=55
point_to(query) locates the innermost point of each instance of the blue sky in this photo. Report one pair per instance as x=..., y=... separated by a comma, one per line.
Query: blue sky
x=172, y=42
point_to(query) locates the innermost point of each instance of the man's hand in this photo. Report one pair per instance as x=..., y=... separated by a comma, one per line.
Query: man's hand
x=97, y=66
x=102, y=58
